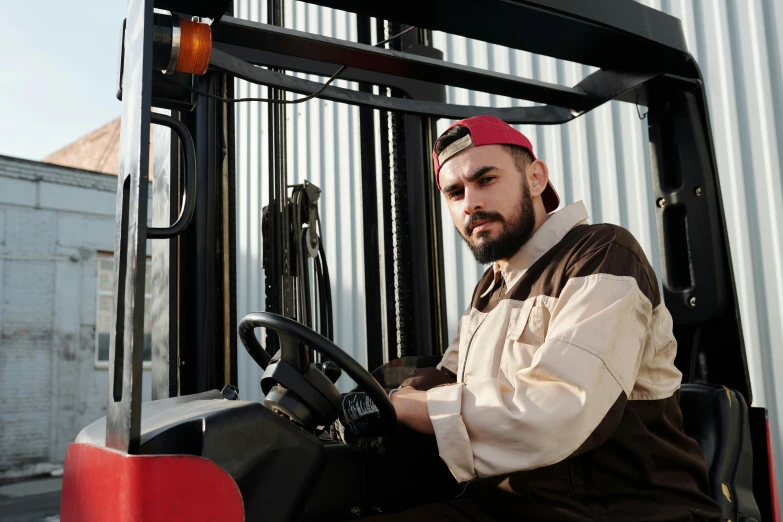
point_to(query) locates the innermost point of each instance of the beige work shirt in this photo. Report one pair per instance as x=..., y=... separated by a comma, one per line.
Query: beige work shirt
x=554, y=347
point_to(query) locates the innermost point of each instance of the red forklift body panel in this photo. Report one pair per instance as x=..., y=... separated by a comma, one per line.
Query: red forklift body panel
x=102, y=484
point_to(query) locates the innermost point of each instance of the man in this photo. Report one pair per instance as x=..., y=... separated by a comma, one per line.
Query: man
x=558, y=400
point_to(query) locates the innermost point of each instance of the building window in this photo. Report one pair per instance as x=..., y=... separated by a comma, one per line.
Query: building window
x=104, y=312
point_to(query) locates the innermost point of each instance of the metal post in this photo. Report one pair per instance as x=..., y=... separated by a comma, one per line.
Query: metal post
x=207, y=345
x=418, y=263
x=386, y=246
x=228, y=191
x=427, y=319
x=123, y=416
x=279, y=290
x=372, y=274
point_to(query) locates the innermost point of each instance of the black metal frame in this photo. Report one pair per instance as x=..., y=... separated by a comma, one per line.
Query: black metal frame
x=609, y=34
x=207, y=294
x=698, y=283
x=266, y=44
x=595, y=90
x=643, y=58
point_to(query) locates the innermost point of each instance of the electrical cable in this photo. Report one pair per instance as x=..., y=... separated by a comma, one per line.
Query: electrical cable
x=298, y=100
x=300, y=205
x=327, y=291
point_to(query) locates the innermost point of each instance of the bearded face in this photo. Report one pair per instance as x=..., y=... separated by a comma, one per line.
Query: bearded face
x=492, y=236
x=491, y=200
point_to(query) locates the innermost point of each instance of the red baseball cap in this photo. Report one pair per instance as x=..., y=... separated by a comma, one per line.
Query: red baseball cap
x=488, y=130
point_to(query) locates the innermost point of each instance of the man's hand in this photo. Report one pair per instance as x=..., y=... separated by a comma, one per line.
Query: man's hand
x=411, y=407
x=360, y=415
x=358, y=423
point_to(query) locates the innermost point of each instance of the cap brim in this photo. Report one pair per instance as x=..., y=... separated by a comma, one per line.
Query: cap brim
x=550, y=198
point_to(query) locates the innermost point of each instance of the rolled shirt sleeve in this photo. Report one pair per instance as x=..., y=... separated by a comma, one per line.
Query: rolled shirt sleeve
x=578, y=378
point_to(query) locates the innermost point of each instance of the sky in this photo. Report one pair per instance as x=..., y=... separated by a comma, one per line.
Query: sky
x=58, y=71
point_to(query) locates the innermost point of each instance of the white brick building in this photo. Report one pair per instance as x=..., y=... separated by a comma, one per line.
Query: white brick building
x=55, y=224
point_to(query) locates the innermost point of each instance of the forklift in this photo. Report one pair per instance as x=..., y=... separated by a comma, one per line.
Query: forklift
x=197, y=451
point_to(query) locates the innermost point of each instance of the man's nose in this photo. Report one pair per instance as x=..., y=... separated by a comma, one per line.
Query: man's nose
x=472, y=201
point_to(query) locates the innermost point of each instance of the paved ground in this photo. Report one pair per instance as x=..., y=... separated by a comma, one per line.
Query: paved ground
x=31, y=501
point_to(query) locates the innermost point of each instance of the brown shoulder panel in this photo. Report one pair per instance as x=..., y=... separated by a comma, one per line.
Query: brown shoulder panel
x=620, y=256
x=587, y=250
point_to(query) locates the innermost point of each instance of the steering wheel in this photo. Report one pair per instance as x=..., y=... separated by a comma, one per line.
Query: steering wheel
x=299, y=390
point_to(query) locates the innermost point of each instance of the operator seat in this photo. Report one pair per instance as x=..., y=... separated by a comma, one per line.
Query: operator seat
x=717, y=418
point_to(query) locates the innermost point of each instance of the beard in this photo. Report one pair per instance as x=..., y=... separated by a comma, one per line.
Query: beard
x=516, y=231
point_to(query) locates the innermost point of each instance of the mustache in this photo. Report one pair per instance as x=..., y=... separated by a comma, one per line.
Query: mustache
x=481, y=215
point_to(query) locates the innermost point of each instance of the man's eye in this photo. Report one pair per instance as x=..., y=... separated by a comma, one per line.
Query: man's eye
x=487, y=179
x=455, y=194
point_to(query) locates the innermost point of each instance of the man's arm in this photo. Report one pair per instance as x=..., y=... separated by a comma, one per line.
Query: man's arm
x=411, y=407
x=410, y=401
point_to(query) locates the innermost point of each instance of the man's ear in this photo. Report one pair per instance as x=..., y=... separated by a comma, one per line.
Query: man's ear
x=537, y=177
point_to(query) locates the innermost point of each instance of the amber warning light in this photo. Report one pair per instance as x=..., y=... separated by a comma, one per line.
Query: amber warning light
x=181, y=45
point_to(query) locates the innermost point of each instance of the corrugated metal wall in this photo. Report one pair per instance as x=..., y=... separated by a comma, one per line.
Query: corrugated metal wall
x=602, y=159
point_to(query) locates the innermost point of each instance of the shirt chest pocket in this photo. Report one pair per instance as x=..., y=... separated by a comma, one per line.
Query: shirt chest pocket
x=526, y=331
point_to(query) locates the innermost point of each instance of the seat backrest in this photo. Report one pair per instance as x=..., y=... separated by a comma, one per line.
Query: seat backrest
x=717, y=418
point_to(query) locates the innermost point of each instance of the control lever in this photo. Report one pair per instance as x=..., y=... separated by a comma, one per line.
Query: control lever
x=330, y=369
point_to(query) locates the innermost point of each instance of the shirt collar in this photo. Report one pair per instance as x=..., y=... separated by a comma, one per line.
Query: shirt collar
x=544, y=239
